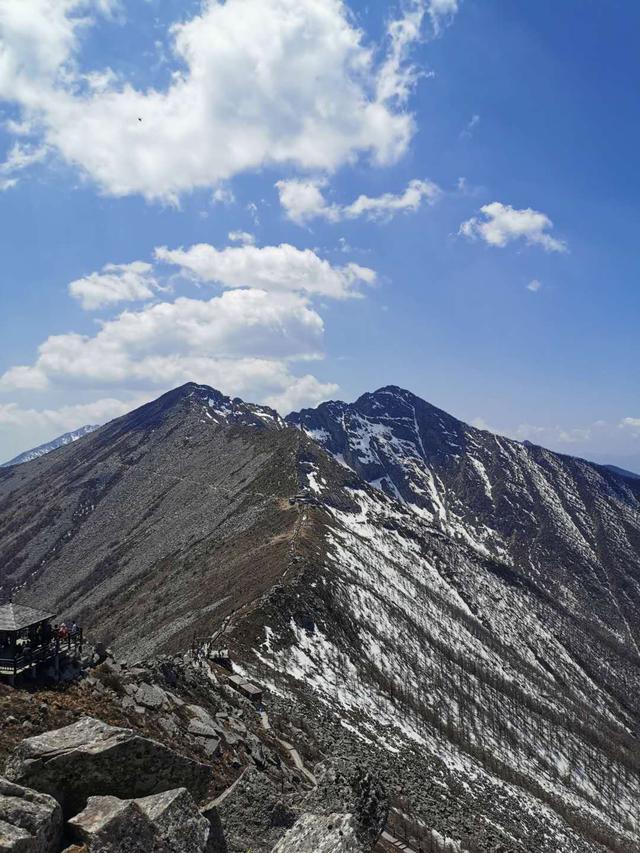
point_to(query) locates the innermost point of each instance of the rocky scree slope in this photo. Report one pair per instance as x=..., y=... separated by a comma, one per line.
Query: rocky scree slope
x=126, y=755
x=159, y=524
x=562, y=530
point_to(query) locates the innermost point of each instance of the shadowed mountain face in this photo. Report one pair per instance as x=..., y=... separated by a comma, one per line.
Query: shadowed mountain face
x=451, y=605
x=158, y=524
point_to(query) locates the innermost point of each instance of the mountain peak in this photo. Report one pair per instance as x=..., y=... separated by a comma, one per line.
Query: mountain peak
x=206, y=403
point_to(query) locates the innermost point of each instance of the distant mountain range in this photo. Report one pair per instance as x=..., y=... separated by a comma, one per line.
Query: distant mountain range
x=42, y=449
x=465, y=608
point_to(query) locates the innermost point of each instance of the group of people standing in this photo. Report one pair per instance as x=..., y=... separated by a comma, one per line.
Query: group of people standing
x=64, y=631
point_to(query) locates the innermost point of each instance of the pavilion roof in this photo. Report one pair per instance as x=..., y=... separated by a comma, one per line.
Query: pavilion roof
x=14, y=617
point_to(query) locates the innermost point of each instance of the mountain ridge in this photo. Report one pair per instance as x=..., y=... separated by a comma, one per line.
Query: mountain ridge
x=453, y=606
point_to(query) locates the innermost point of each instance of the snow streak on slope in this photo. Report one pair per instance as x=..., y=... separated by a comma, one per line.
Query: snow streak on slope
x=426, y=643
x=570, y=527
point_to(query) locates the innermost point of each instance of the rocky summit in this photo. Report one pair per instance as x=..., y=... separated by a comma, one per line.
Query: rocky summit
x=364, y=626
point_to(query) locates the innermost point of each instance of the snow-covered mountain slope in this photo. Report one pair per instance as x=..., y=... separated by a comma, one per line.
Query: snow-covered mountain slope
x=43, y=449
x=567, y=529
x=427, y=652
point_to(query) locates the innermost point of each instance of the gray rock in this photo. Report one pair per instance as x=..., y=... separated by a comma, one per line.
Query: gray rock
x=334, y=833
x=151, y=696
x=110, y=825
x=200, y=714
x=163, y=823
x=177, y=820
x=92, y=758
x=30, y=822
x=200, y=729
x=210, y=746
x=251, y=811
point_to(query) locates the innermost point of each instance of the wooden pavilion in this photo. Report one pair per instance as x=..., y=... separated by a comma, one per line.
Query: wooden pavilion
x=28, y=639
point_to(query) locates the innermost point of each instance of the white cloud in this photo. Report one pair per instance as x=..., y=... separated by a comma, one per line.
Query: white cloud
x=170, y=342
x=271, y=268
x=65, y=418
x=534, y=285
x=303, y=391
x=502, y=224
x=632, y=425
x=553, y=435
x=303, y=200
x=396, y=78
x=271, y=81
x=242, y=237
x=467, y=133
x=19, y=157
x=22, y=428
x=223, y=195
x=442, y=12
x=115, y=283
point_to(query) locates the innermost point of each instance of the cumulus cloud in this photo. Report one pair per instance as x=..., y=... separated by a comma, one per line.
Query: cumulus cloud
x=303, y=201
x=305, y=391
x=271, y=81
x=271, y=268
x=66, y=418
x=501, y=224
x=115, y=283
x=534, y=285
x=170, y=342
x=245, y=340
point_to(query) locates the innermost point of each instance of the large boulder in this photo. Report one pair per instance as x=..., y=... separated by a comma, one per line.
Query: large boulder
x=163, y=823
x=30, y=822
x=91, y=758
x=177, y=820
x=334, y=833
x=109, y=825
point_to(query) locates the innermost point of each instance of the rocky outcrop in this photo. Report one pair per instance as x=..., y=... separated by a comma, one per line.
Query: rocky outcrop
x=252, y=811
x=176, y=820
x=163, y=823
x=30, y=822
x=108, y=824
x=334, y=833
x=91, y=758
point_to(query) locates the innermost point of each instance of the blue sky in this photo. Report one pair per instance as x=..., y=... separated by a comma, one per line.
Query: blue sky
x=321, y=199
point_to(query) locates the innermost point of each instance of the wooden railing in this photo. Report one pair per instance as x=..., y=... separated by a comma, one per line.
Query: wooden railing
x=14, y=663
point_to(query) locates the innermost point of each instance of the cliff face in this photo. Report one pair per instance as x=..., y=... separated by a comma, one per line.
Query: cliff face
x=455, y=609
